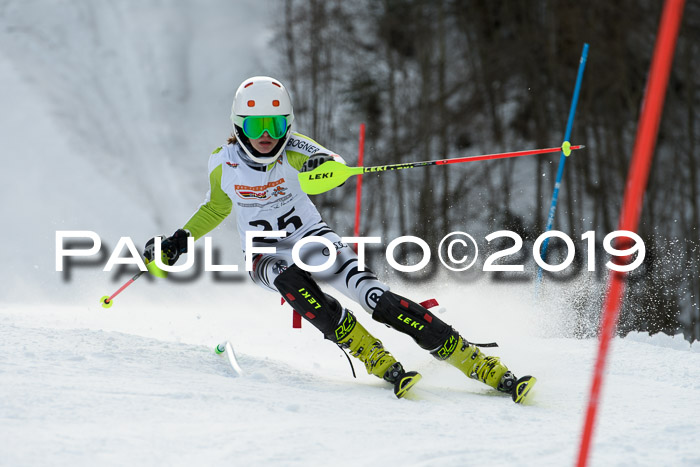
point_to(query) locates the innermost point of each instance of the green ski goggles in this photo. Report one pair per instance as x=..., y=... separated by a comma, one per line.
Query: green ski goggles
x=254, y=126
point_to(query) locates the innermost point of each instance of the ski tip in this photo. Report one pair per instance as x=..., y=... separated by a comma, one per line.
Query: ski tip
x=523, y=389
x=226, y=348
x=406, y=382
x=106, y=302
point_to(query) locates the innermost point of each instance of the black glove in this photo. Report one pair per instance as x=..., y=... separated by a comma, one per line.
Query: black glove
x=171, y=248
x=315, y=160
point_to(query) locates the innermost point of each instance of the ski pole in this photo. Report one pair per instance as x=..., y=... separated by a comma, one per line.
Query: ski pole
x=107, y=300
x=332, y=174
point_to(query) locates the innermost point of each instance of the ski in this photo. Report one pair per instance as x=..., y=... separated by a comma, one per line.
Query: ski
x=523, y=389
x=405, y=382
x=225, y=347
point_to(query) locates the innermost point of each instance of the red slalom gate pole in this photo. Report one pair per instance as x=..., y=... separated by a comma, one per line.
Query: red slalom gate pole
x=358, y=187
x=296, y=317
x=637, y=178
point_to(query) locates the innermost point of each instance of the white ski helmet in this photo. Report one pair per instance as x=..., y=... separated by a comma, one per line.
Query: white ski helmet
x=261, y=96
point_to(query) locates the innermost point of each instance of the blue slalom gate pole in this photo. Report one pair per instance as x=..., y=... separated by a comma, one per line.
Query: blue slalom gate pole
x=562, y=158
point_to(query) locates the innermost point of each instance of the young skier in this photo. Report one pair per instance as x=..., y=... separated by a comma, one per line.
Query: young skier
x=256, y=174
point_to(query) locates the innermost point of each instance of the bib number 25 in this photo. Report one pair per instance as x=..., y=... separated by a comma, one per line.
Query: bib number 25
x=282, y=222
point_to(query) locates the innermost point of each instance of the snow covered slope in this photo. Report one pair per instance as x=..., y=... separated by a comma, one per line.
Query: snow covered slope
x=74, y=392
x=110, y=114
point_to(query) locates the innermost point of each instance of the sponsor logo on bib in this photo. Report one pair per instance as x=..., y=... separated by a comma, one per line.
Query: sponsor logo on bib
x=262, y=191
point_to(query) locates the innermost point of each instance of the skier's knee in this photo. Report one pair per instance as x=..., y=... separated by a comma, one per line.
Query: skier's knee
x=408, y=317
x=265, y=270
x=306, y=297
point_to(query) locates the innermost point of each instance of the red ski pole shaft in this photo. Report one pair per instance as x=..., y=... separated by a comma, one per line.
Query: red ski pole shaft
x=107, y=299
x=457, y=160
x=358, y=188
x=503, y=155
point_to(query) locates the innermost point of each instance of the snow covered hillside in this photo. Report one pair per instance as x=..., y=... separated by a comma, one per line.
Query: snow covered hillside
x=82, y=387
x=110, y=114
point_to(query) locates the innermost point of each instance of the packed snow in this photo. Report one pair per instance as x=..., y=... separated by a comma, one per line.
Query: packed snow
x=110, y=116
x=142, y=385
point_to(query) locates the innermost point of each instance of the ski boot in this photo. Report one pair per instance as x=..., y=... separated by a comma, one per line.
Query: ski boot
x=444, y=343
x=339, y=325
x=362, y=345
x=472, y=362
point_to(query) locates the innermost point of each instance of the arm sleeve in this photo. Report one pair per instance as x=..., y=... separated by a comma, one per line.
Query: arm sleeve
x=214, y=210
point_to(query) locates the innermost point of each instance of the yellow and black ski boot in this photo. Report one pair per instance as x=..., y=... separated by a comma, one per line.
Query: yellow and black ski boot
x=340, y=326
x=362, y=345
x=472, y=362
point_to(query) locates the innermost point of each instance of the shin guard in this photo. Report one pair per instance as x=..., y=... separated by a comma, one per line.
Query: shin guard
x=306, y=297
x=408, y=317
x=442, y=341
